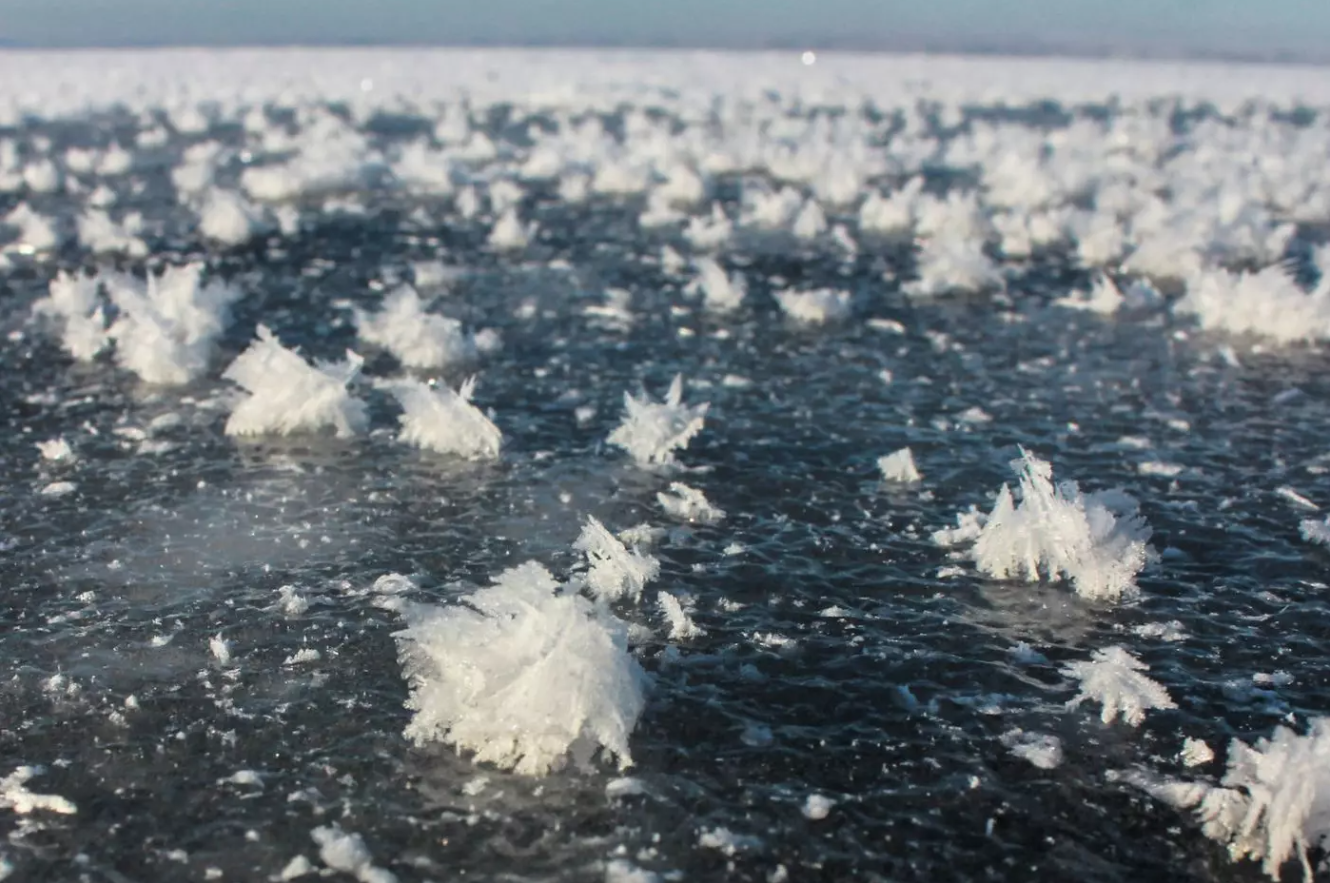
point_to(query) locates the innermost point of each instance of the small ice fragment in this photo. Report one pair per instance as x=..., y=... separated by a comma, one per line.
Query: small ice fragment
x=1160, y=468
x=58, y=489
x=296, y=867
x=1040, y=749
x=727, y=841
x=817, y=807
x=307, y=654
x=625, y=786
x=899, y=467
x=56, y=450
x=221, y=649
x=1297, y=499
x=689, y=504
x=347, y=853
x=291, y=602
x=1195, y=752
x=474, y=786
x=243, y=777
x=814, y=307
x=623, y=871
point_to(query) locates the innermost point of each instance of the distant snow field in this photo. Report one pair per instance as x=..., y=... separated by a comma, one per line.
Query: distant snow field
x=318, y=366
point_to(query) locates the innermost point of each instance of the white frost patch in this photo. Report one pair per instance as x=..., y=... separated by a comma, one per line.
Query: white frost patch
x=652, y=431
x=1097, y=541
x=814, y=307
x=15, y=795
x=524, y=674
x=617, y=572
x=689, y=504
x=287, y=395
x=1113, y=678
x=682, y=627
x=439, y=419
x=1040, y=749
x=418, y=339
x=347, y=853
x=899, y=467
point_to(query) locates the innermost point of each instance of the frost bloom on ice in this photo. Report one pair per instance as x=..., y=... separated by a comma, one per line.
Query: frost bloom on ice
x=1273, y=804
x=418, y=339
x=1113, y=678
x=689, y=504
x=617, y=572
x=439, y=419
x=166, y=328
x=287, y=395
x=652, y=431
x=523, y=674
x=720, y=293
x=1096, y=541
x=509, y=234
x=814, y=307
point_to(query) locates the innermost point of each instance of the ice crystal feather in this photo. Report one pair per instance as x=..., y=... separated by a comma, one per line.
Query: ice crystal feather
x=287, y=395
x=616, y=572
x=1113, y=678
x=441, y=420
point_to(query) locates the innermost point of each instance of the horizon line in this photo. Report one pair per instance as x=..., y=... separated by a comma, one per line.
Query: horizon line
x=1013, y=48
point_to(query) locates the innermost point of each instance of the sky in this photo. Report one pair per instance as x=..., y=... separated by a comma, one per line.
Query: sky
x=1259, y=28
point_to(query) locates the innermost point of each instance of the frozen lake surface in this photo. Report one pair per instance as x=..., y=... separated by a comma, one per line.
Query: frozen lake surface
x=205, y=676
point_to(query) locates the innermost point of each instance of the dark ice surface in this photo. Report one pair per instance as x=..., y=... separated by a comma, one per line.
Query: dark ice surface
x=837, y=659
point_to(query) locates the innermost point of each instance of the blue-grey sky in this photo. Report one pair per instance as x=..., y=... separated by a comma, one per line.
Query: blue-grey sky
x=1258, y=27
